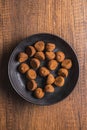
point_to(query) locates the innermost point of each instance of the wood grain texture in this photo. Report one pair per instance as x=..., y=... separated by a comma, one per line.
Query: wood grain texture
x=21, y=18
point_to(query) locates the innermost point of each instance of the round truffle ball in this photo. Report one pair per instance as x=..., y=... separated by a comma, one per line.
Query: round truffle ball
x=30, y=50
x=60, y=56
x=50, y=79
x=59, y=81
x=49, y=88
x=22, y=57
x=63, y=72
x=23, y=68
x=52, y=64
x=39, y=46
x=31, y=74
x=39, y=93
x=35, y=63
x=31, y=85
x=40, y=55
x=50, y=46
x=44, y=71
x=67, y=63
x=50, y=55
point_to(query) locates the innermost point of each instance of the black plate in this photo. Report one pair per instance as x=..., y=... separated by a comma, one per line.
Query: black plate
x=18, y=81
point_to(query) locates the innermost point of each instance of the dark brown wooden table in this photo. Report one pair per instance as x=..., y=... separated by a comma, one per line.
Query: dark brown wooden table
x=21, y=18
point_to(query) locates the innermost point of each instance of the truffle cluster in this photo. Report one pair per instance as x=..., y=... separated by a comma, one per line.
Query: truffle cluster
x=43, y=52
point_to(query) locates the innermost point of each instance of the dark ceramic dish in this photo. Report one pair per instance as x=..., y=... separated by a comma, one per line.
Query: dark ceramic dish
x=18, y=80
